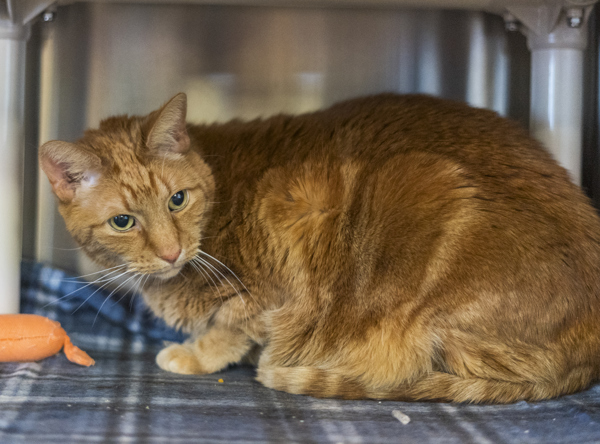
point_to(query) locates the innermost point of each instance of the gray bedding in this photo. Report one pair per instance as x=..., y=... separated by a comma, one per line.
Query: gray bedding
x=126, y=398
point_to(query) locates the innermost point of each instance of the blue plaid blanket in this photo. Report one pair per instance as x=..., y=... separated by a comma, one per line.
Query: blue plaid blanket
x=126, y=398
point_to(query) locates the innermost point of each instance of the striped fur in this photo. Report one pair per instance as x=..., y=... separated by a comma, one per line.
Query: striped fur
x=390, y=247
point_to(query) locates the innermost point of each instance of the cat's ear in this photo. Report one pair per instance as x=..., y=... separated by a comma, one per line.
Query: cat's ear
x=167, y=127
x=68, y=167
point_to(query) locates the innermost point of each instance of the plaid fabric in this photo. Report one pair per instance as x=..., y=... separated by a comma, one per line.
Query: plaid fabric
x=126, y=398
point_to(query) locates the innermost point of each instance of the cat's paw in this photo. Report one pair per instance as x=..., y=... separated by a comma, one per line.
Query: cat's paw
x=179, y=358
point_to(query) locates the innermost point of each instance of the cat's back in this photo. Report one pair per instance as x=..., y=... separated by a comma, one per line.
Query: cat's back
x=388, y=124
x=378, y=166
x=376, y=128
x=492, y=153
x=510, y=173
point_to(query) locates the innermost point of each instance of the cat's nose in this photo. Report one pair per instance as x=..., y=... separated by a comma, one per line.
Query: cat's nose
x=171, y=256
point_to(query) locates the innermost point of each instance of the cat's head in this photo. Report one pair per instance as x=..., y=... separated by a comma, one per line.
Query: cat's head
x=132, y=191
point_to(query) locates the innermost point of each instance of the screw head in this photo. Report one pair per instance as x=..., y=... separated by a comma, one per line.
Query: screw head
x=574, y=22
x=511, y=26
x=48, y=16
x=574, y=17
x=511, y=23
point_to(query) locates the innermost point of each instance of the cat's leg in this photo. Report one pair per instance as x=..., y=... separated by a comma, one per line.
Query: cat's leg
x=235, y=335
x=210, y=353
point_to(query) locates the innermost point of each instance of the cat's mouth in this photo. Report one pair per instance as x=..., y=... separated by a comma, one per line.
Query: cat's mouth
x=172, y=270
x=167, y=274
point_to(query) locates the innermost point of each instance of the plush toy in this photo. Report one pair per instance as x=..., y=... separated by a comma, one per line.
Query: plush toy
x=26, y=337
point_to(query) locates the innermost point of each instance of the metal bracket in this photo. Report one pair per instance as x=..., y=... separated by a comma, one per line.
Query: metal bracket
x=557, y=37
x=21, y=12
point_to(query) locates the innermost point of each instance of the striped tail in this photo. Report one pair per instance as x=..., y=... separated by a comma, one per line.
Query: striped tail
x=436, y=386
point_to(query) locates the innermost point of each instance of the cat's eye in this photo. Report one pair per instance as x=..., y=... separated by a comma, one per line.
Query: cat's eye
x=122, y=222
x=179, y=200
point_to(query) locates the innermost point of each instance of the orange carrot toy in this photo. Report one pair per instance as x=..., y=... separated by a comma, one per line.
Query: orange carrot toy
x=26, y=337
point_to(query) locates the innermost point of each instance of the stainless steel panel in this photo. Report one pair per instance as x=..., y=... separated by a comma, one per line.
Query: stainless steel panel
x=102, y=59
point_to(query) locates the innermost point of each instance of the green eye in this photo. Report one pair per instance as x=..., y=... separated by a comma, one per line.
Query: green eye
x=122, y=222
x=179, y=200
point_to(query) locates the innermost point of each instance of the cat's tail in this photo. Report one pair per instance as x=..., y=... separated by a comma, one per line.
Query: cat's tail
x=436, y=386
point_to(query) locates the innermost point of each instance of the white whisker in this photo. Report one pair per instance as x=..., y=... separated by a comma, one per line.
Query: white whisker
x=99, y=288
x=229, y=270
x=104, y=278
x=108, y=297
x=229, y=282
x=200, y=268
x=225, y=266
x=215, y=269
x=139, y=289
x=97, y=272
x=132, y=288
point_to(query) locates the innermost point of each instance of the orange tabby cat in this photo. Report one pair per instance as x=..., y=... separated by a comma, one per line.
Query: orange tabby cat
x=393, y=247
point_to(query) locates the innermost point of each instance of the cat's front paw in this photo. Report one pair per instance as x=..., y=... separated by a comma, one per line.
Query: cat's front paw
x=179, y=358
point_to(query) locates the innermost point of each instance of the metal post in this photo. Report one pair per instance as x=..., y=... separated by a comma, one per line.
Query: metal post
x=557, y=38
x=557, y=93
x=12, y=97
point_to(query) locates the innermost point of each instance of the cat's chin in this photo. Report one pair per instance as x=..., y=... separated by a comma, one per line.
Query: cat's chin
x=168, y=274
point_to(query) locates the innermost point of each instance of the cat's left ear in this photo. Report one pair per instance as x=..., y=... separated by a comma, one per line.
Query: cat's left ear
x=168, y=131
